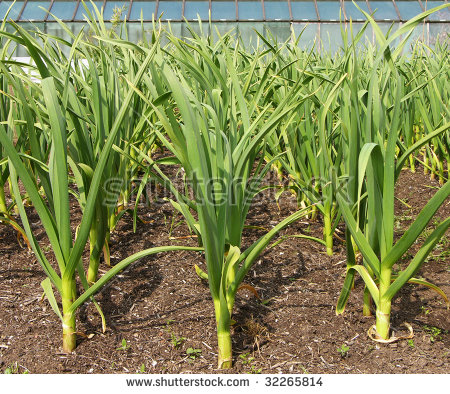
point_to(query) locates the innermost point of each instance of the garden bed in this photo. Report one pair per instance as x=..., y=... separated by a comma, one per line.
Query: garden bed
x=159, y=308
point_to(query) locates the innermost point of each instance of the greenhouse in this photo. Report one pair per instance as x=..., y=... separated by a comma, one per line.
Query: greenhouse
x=320, y=18
x=200, y=187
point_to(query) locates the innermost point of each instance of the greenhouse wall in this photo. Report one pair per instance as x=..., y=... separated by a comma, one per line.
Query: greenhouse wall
x=318, y=22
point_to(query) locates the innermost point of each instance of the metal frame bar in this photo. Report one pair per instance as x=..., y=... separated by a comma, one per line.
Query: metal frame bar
x=343, y=9
x=49, y=10
x=318, y=40
x=130, y=5
x=291, y=18
x=75, y=12
x=371, y=12
x=397, y=11
x=21, y=10
x=368, y=6
x=317, y=10
x=157, y=9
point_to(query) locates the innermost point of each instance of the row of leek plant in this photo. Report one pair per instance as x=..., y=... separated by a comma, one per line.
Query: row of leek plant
x=309, y=175
x=215, y=126
x=99, y=75
x=367, y=199
x=433, y=109
x=425, y=72
x=347, y=139
x=63, y=120
x=301, y=140
x=7, y=110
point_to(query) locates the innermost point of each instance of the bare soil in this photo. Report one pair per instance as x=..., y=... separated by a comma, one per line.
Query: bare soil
x=158, y=307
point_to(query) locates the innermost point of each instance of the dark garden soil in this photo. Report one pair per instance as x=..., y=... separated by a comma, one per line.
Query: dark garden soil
x=158, y=307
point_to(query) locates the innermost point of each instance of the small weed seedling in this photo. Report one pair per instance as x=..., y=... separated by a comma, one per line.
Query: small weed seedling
x=343, y=350
x=425, y=310
x=46, y=248
x=248, y=360
x=411, y=343
x=14, y=369
x=434, y=332
x=174, y=339
x=193, y=353
x=124, y=346
x=255, y=370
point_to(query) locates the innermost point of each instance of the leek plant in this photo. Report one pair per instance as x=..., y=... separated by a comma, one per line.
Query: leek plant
x=216, y=131
x=381, y=255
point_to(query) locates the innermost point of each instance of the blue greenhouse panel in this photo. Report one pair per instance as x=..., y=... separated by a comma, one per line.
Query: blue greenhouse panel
x=384, y=10
x=330, y=10
x=303, y=10
x=223, y=10
x=82, y=13
x=277, y=10
x=63, y=10
x=110, y=6
x=250, y=11
x=170, y=10
x=353, y=12
x=195, y=9
x=408, y=9
x=441, y=15
x=144, y=8
x=35, y=11
x=14, y=12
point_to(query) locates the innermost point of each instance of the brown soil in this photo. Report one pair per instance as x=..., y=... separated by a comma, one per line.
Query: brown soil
x=160, y=307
